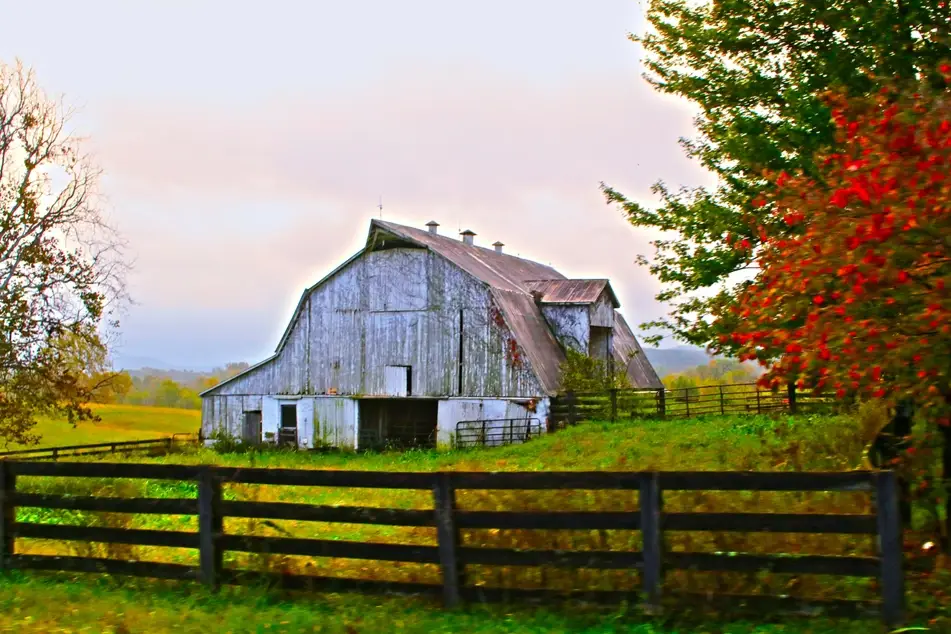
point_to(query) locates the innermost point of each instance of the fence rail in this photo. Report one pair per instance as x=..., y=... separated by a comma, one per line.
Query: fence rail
x=452, y=556
x=496, y=431
x=98, y=449
x=738, y=398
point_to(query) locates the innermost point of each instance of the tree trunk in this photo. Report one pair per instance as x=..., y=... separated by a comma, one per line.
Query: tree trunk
x=946, y=472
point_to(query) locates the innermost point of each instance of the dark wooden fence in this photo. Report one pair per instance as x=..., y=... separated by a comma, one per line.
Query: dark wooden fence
x=449, y=553
x=624, y=404
x=151, y=445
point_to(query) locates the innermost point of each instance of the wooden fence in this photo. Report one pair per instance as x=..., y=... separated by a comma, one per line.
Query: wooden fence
x=623, y=404
x=449, y=553
x=151, y=445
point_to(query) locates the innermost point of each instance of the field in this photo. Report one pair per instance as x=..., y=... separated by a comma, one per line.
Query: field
x=37, y=602
x=119, y=422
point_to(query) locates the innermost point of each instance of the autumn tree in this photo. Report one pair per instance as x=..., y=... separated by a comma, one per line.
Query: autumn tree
x=853, y=296
x=755, y=70
x=60, y=263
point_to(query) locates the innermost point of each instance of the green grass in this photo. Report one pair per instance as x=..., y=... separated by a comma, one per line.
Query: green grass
x=118, y=423
x=31, y=604
x=714, y=443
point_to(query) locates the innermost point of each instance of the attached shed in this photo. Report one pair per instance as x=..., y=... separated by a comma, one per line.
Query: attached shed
x=412, y=335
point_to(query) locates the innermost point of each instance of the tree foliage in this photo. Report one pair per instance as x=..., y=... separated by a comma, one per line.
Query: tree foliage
x=854, y=292
x=60, y=264
x=756, y=69
x=583, y=373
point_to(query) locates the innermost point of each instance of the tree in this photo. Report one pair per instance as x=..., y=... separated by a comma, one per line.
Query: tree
x=61, y=268
x=755, y=69
x=86, y=357
x=854, y=292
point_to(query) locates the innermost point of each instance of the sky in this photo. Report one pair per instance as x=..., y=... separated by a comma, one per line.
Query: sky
x=246, y=145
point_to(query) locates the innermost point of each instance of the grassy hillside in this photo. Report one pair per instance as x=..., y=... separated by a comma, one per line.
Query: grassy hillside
x=119, y=422
x=37, y=603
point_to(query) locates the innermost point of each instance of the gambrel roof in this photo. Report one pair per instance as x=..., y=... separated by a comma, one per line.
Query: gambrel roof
x=511, y=281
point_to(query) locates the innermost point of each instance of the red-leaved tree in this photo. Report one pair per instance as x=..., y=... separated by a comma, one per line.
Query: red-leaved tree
x=856, y=299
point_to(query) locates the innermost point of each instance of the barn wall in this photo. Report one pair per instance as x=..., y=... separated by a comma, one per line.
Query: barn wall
x=335, y=422
x=452, y=411
x=602, y=311
x=571, y=324
x=226, y=412
x=392, y=307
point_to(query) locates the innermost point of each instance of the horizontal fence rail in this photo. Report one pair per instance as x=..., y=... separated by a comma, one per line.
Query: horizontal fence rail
x=449, y=553
x=98, y=449
x=496, y=432
x=623, y=404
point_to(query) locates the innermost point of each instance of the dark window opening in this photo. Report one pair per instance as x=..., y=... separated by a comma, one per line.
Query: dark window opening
x=409, y=380
x=288, y=432
x=397, y=423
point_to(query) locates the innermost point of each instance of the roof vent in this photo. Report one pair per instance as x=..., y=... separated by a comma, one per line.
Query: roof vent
x=432, y=224
x=467, y=237
x=498, y=247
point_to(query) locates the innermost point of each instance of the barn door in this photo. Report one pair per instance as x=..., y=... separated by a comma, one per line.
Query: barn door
x=252, y=427
x=397, y=380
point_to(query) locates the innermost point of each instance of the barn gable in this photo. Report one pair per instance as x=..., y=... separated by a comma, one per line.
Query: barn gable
x=526, y=295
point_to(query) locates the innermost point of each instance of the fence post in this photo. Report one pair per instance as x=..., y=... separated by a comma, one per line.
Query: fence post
x=651, y=536
x=444, y=504
x=614, y=405
x=687, y=400
x=210, y=526
x=758, y=410
x=55, y=453
x=662, y=402
x=8, y=485
x=890, y=547
x=722, y=407
x=791, y=395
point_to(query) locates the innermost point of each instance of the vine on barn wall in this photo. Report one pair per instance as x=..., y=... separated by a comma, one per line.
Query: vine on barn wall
x=510, y=346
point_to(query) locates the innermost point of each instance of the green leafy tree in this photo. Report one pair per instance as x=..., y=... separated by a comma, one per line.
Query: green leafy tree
x=60, y=264
x=756, y=70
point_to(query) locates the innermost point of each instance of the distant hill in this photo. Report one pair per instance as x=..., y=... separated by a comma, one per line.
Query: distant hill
x=674, y=360
x=678, y=359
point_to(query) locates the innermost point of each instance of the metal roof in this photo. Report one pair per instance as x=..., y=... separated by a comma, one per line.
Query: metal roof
x=572, y=291
x=511, y=280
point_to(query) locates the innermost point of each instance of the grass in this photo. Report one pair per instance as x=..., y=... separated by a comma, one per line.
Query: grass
x=118, y=423
x=713, y=443
x=34, y=604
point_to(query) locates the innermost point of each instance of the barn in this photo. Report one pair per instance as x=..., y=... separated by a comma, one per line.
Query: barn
x=416, y=336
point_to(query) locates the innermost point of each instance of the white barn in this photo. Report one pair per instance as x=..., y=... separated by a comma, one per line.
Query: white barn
x=415, y=333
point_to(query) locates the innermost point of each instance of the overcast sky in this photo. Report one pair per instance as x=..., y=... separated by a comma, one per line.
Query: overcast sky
x=246, y=144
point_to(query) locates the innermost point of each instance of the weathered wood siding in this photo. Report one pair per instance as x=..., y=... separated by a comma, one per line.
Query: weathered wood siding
x=394, y=307
x=602, y=311
x=571, y=324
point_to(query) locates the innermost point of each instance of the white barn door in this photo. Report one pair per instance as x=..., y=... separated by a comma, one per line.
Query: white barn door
x=396, y=380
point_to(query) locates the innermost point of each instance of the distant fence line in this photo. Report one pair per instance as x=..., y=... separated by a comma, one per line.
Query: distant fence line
x=99, y=449
x=212, y=540
x=622, y=404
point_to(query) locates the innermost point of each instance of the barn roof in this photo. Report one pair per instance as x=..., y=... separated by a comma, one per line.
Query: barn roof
x=511, y=280
x=507, y=277
x=572, y=291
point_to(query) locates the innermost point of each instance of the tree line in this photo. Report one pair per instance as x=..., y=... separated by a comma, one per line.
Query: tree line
x=158, y=388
